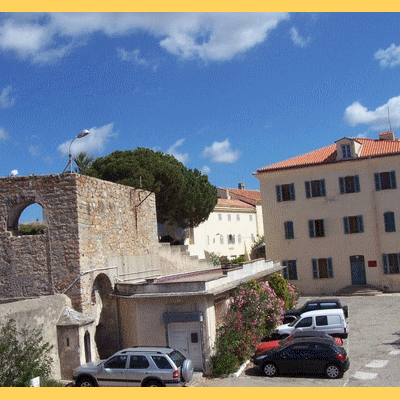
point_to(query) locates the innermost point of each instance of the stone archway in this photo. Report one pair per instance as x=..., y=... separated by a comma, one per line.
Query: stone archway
x=104, y=311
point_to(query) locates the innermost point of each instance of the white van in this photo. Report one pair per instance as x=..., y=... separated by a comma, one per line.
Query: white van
x=328, y=321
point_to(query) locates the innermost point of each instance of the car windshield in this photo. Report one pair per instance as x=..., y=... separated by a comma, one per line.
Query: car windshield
x=286, y=340
x=294, y=322
x=177, y=358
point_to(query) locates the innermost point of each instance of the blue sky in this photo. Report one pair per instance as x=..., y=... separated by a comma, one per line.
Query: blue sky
x=226, y=93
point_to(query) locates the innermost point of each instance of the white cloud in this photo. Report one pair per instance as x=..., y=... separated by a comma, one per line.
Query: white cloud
x=221, y=152
x=205, y=170
x=43, y=38
x=389, y=57
x=131, y=56
x=173, y=150
x=357, y=114
x=3, y=134
x=93, y=143
x=297, y=39
x=34, y=150
x=5, y=99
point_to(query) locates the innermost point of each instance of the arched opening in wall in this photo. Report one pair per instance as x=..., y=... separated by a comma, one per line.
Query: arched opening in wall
x=105, y=308
x=88, y=353
x=27, y=218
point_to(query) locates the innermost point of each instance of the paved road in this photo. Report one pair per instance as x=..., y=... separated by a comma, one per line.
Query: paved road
x=373, y=347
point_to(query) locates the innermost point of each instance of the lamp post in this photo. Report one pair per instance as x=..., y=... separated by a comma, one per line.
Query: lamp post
x=80, y=135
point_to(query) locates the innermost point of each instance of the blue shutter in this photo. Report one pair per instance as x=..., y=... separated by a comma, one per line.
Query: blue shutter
x=330, y=268
x=315, y=268
x=308, y=189
x=360, y=223
x=294, y=270
x=285, y=271
x=392, y=222
x=311, y=228
x=346, y=225
x=289, y=228
x=377, y=181
x=286, y=225
x=393, y=179
x=278, y=193
x=356, y=183
x=385, y=264
x=322, y=187
x=341, y=185
x=292, y=193
x=389, y=221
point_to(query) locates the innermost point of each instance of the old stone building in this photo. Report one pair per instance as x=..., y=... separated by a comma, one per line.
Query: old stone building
x=97, y=279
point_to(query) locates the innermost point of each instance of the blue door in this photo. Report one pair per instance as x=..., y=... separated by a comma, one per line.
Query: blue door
x=357, y=270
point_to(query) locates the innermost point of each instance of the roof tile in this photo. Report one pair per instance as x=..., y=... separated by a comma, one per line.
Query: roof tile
x=370, y=148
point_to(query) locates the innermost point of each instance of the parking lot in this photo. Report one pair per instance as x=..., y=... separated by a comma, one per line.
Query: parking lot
x=373, y=347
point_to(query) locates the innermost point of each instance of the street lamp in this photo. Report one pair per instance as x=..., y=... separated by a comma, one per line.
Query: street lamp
x=81, y=135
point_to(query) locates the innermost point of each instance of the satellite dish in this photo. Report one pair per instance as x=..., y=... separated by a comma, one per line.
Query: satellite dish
x=13, y=172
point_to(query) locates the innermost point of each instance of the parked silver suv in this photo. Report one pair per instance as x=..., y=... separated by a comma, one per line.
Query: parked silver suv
x=137, y=366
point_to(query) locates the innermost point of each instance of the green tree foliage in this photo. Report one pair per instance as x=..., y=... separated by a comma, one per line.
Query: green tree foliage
x=83, y=162
x=284, y=290
x=183, y=196
x=23, y=355
x=254, y=312
x=31, y=228
x=258, y=251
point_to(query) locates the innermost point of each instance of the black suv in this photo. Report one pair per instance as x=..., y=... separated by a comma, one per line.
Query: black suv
x=311, y=305
x=137, y=366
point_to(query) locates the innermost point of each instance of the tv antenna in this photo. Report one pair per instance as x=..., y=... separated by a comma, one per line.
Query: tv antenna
x=390, y=125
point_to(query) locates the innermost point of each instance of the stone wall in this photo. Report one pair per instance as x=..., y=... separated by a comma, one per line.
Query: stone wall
x=44, y=264
x=91, y=224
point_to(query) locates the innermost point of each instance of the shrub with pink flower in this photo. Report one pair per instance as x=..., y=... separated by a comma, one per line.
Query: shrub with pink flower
x=254, y=312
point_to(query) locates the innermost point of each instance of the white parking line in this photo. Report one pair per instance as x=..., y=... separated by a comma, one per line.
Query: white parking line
x=365, y=375
x=377, y=364
x=394, y=352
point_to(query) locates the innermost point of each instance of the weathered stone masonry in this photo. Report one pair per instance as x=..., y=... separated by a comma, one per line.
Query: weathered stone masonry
x=91, y=226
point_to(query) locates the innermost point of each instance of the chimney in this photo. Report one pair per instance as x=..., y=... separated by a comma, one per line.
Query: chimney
x=241, y=186
x=389, y=135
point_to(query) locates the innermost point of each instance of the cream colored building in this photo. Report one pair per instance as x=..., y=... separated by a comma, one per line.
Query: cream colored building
x=233, y=226
x=332, y=216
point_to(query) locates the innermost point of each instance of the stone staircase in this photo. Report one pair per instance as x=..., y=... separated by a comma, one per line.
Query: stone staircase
x=359, y=290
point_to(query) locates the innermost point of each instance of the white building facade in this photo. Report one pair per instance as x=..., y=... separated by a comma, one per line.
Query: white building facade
x=331, y=215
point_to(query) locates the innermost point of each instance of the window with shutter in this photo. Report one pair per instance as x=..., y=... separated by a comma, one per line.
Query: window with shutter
x=289, y=232
x=389, y=221
x=285, y=192
x=322, y=268
x=385, y=180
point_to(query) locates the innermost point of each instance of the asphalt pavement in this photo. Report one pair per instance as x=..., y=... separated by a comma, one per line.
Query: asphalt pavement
x=373, y=347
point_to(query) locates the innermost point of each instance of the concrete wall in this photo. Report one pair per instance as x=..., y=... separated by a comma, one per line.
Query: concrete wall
x=41, y=314
x=369, y=203
x=141, y=320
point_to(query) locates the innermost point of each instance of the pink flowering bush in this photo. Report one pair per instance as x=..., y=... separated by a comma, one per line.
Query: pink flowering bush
x=254, y=312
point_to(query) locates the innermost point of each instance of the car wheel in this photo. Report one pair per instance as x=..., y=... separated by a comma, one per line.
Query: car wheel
x=269, y=369
x=332, y=371
x=85, y=382
x=152, y=383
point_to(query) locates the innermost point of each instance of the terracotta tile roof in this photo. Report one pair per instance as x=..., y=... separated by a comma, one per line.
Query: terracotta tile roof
x=249, y=194
x=370, y=148
x=226, y=203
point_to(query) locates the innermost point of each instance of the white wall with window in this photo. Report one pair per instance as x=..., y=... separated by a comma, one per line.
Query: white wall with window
x=232, y=228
